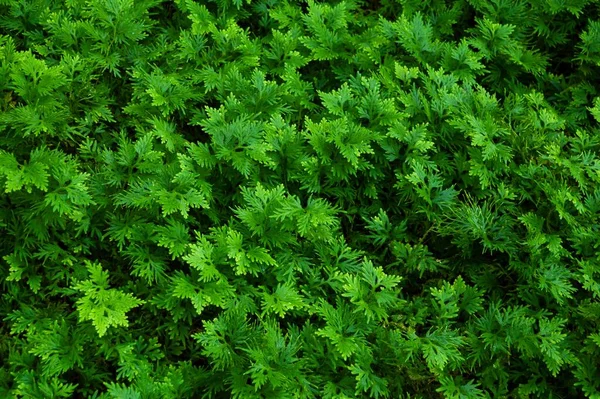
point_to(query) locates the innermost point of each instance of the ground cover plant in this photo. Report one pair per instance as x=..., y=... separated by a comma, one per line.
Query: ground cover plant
x=299, y=199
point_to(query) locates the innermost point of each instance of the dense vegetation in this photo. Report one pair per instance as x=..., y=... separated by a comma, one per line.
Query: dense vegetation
x=299, y=199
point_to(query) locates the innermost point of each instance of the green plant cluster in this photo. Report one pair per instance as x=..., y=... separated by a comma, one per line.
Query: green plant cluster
x=299, y=199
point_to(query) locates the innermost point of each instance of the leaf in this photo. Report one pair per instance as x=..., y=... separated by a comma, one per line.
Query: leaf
x=105, y=307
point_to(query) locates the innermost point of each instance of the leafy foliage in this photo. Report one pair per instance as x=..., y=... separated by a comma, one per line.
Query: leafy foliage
x=299, y=199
